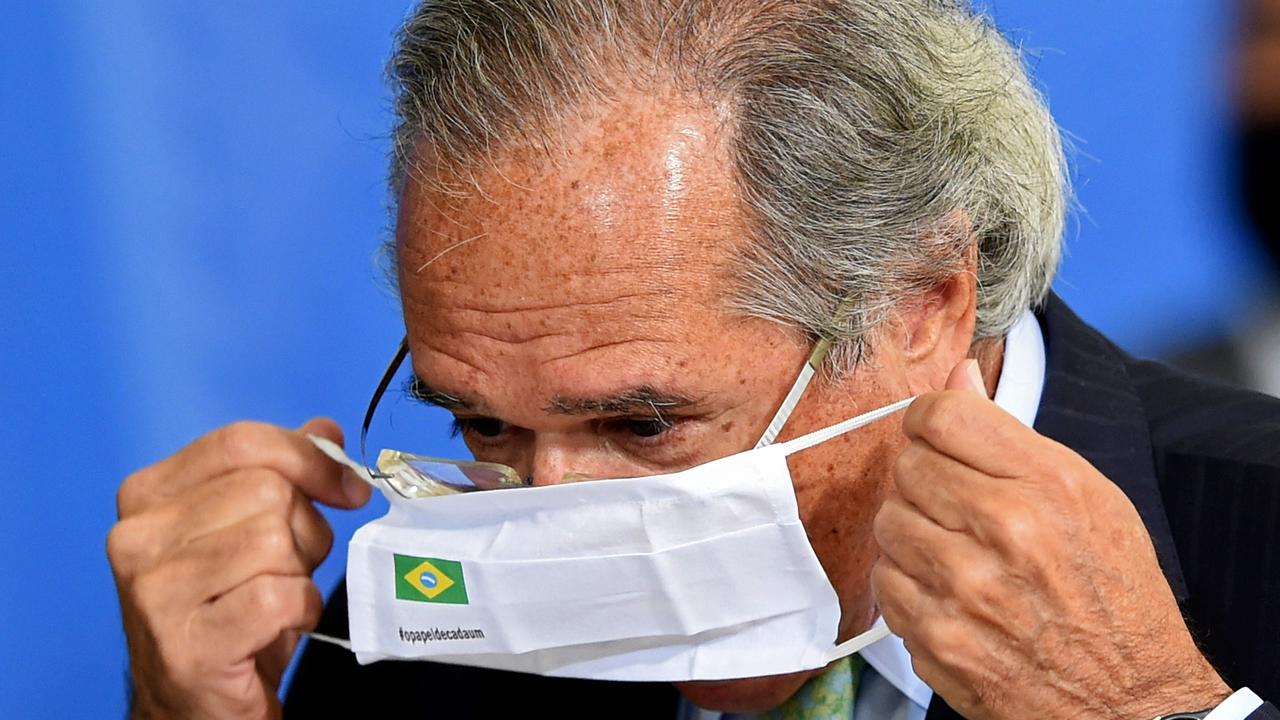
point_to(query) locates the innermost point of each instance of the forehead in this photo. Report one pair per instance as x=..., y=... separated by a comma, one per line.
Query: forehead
x=628, y=183
x=623, y=234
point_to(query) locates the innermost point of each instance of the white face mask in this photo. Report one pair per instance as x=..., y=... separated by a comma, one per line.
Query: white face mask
x=704, y=574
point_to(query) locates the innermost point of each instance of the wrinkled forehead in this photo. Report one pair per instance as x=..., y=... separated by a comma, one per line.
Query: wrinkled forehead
x=634, y=204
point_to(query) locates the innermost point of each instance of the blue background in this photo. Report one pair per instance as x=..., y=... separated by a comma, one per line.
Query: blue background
x=191, y=199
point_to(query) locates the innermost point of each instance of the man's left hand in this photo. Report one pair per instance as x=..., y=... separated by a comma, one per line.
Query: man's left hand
x=1023, y=581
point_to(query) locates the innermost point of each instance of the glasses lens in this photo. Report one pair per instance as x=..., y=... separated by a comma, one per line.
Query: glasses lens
x=418, y=476
x=464, y=478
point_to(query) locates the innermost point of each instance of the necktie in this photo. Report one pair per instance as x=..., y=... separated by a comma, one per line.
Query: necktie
x=829, y=696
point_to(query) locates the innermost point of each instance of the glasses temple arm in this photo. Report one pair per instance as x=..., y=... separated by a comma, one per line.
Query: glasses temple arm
x=383, y=384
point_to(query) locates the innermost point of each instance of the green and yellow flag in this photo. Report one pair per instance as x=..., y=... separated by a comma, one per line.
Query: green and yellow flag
x=430, y=580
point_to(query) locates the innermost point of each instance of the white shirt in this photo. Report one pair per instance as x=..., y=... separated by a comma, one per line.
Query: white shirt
x=894, y=691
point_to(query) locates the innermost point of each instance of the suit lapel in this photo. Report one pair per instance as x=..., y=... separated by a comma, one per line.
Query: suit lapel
x=1090, y=405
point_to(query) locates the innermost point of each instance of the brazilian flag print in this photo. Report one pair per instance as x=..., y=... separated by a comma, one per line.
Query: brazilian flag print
x=430, y=580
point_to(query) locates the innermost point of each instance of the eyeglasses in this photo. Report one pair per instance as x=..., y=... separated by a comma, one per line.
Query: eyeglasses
x=420, y=476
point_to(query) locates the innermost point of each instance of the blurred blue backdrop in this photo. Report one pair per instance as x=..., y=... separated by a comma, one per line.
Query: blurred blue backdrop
x=191, y=196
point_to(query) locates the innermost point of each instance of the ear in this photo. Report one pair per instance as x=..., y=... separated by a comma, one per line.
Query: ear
x=939, y=326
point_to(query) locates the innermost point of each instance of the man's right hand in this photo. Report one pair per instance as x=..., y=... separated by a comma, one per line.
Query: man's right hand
x=213, y=555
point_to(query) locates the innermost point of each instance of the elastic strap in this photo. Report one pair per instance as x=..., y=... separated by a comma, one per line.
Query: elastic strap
x=878, y=632
x=345, y=644
x=820, y=436
x=335, y=453
x=795, y=393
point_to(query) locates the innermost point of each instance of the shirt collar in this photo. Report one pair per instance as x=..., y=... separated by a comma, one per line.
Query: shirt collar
x=1017, y=393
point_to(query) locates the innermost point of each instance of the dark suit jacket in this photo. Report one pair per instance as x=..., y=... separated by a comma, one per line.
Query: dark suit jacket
x=1201, y=462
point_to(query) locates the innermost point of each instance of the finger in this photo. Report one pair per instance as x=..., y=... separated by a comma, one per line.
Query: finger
x=221, y=503
x=926, y=633
x=920, y=548
x=974, y=431
x=356, y=490
x=1011, y=519
x=311, y=531
x=324, y=427
x=215, y=564
x=966, y=375
x=240, y=446
x=242, y=494
x=274, y=659
x=249, y=618
x=932, y=645
x=897, y=595
x=948, y=492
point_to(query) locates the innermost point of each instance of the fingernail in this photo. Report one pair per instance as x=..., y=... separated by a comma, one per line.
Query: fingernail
x=975, y=377
x=356, y=490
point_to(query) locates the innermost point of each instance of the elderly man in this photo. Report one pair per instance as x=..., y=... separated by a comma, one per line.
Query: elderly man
x=622, y=228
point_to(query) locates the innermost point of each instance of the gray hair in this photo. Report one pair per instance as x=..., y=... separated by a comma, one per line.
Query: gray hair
x=873, y=140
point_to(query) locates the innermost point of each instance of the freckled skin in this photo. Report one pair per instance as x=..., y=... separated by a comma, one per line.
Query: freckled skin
x=605, y=266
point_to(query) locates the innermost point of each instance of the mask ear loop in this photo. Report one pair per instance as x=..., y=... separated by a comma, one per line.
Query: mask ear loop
x=817, y=437
x=879, y=631
x=807, y=373
x=875, y=634
x=796, y=392
x=340, y=642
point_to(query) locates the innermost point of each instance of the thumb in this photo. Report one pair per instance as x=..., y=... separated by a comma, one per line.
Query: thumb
x=967, y=376
x=324, y=427
x=356, y=490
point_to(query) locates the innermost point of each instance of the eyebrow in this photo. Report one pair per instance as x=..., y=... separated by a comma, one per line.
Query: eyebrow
x=415, y=388
x=640, y=398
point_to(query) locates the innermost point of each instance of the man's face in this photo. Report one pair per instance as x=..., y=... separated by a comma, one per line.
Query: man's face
x=574, y=307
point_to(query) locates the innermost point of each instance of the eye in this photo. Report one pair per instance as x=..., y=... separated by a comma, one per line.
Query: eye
x=485, y=427
x=644, y=427
x=660, y=441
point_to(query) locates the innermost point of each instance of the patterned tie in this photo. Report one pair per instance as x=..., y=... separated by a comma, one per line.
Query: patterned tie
x=829, y=696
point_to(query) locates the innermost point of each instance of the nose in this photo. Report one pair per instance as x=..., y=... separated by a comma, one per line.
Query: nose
x=559, y=459
x=574, y=457
x=552, y=457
